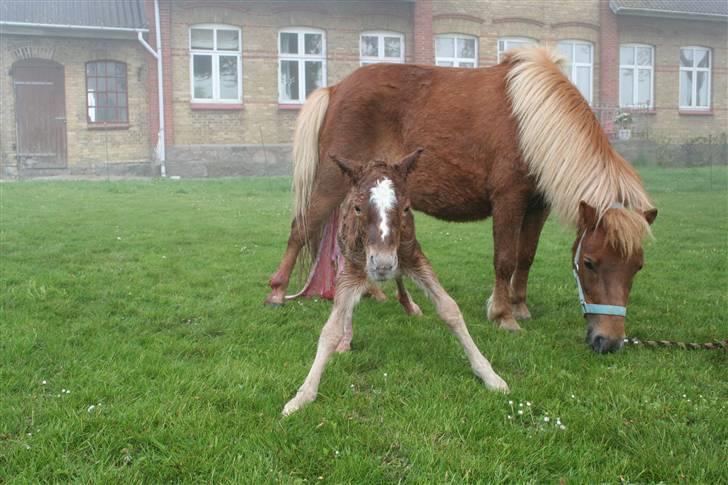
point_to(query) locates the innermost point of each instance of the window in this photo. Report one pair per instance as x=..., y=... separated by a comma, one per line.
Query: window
x=301, y=63
x=106, y=92
x=695, y=78
x=215, y=67
x=636, y=75
x=580, y=67
x=456, y=50
x=381, y=47
x=507, y=43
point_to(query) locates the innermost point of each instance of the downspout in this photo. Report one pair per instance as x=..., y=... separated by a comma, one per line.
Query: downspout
x=161, y=144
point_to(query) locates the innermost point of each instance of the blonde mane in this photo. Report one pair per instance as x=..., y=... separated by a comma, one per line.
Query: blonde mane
x=567, y=151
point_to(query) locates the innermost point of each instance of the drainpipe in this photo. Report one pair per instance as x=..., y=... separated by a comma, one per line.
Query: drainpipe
x=160, y=149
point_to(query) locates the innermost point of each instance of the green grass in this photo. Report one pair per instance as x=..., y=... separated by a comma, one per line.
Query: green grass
x=144, y=299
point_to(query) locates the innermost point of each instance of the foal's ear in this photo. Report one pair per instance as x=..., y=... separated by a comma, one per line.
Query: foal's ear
x=587, y=215
x=407, y=164
x=349, y=167
x=650, y=215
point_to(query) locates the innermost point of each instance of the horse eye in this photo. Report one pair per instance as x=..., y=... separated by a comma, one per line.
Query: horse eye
x=357, y=209
x=407, y=209
x=589, y=265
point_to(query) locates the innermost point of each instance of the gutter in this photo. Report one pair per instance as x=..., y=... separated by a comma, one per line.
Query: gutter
x=68, y=26
x=160, y=149
x=674, y=14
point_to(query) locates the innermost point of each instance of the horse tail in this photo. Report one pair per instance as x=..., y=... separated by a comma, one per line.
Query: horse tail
x=306, y=151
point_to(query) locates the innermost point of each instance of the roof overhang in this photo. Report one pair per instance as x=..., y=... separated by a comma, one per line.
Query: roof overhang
x=661, y=13
x=83, y=31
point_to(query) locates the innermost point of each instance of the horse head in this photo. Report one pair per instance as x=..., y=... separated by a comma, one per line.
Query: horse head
x=607, y=255
x=376, y=214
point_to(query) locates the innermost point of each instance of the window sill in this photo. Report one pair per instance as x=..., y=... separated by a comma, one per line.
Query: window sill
x=108, y=126
x=216, y=106
x=289, y=106
x=639, y=111
x=696, y=112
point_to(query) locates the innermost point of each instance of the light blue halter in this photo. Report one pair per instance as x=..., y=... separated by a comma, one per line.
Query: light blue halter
x=591, y=308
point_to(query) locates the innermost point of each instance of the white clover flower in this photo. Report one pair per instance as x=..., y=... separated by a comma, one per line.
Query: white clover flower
x=510, y=417
x=509, y=402
x=385, y=374
x=520, y=404
x=520, y=411
x=546, y=419
x=562, y=426
x=44, y=382
x=528, y=403
x=91, y=408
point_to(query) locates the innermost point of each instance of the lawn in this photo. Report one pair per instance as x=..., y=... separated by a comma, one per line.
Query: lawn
x=134, y=347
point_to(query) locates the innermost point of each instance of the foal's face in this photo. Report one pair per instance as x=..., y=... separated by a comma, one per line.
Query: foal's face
x=376, y=213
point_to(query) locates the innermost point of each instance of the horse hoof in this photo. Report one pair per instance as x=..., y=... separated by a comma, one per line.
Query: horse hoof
x=509, y=324
x=343, y=347
x=273, y=301
x=520, y=311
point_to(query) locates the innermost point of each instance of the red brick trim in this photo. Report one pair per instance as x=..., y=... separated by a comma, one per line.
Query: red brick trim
x=216, y=106
x=523, y=20
x=584, y=25
x=458, y=16
x=608, y=49
x=108, y=126
x=424, y=47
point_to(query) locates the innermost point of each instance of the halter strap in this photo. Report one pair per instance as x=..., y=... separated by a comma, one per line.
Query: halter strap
x=592, y=308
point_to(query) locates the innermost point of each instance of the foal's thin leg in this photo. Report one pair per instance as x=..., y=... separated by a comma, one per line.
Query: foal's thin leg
x=450, y=313
x=347, y=296
x=406, y=300
x=528, y=241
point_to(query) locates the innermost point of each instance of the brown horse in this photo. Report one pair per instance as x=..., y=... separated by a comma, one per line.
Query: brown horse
x=377, y=240
x=513, y=141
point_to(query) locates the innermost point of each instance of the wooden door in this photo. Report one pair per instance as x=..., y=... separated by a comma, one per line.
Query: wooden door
x=40, y=114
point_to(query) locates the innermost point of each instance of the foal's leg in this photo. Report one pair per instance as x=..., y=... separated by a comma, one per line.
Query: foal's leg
x=348, y=292
x=406, y=300
x=528, y=241
x=449, y=311
x=507, y=219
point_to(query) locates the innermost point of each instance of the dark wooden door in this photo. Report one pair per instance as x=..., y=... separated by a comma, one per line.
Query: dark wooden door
x=40, y=114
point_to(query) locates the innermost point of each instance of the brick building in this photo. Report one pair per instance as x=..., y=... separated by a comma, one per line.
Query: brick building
x=80, y=92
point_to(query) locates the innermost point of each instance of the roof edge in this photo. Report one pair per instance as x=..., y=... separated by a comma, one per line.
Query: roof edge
x=673, y=14
x=73, y=27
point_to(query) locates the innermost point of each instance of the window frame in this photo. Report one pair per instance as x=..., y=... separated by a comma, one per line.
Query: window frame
x=301, y=57
x=126, y=92
x=457, y=60
x=215, y=54
x=695, y=70
x=381, y=34
x=530, y=40
x=574, y=64
x=635, y=74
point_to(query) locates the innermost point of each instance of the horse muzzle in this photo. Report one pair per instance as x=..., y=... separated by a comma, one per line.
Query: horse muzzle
x=605, y=333
x=382, y=266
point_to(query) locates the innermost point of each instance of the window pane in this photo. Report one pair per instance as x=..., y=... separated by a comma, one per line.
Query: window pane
x=644, y=56
x=644, y=87
x=202, y=71
x=583, y=53
x=313, y=44
x=626, y=87
x=392, y=47
x=228, y=77
x=92, y=114
x=501, y=46
x=701, y=96
x=445, y=47
x=289, y=80
x=289, y=43
x=702, y=57
x=201, y=39
x=686, y=57
x=123, y=115
x=101, y=84
x=369, y=45
x=91, y=69
x=314, y=76
x=91, y=84
x=228, y=40
x=626, y=55
x=564, y=49
x=686, y=88
x=466, y=48
x=444, y=63
x=583, y=81
x=467, y=64
x=120, y=69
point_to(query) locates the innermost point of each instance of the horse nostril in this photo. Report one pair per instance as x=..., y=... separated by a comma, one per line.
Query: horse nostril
x=599, y=344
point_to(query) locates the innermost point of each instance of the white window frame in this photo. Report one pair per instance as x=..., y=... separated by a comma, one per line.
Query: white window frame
x=635, y=74
x=301, y=57
x=695, y=70
x=216, y=63
x=574, y=64
x=380, y=35
x=505, y=40
x=456, y=61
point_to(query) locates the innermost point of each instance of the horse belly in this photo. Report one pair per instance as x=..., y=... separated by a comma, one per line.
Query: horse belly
x=449, y=203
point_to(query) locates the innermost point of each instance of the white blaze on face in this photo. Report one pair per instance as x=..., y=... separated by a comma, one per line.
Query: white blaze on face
x=383, y=198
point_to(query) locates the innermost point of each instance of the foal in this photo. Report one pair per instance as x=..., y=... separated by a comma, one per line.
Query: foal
x=377, y=240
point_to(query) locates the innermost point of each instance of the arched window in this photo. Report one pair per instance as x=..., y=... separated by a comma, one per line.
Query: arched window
x=695, y=65
x=381, y=47
x=106, y=92
x=506, y=43
x=580, y=64
x=456, y=50
x=636, y=75
x=301, y=63
x=215, y=64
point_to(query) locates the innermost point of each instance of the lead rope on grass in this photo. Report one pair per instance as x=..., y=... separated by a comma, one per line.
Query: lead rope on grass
x=715, y=345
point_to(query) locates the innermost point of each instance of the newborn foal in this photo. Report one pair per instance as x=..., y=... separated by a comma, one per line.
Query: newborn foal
x=377, y=240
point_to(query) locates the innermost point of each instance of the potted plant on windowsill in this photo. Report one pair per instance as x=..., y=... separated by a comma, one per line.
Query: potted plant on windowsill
x=624, y=122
